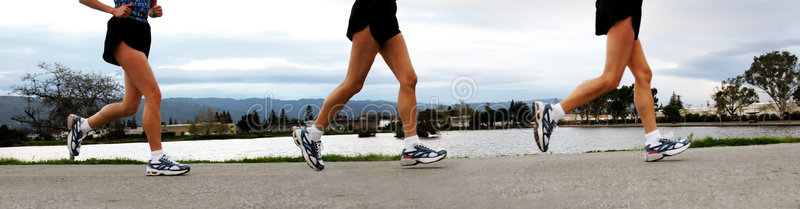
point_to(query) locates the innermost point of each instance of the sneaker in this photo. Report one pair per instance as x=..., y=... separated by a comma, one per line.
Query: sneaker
x=166, y=167
x=75, y=135
x=311, y=148
x=666, y=148
x=543, y=125
x=421, y=154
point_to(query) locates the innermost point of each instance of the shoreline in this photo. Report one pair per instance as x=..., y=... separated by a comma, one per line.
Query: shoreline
x=697, y=124
x=696, y=143
x=285, y=134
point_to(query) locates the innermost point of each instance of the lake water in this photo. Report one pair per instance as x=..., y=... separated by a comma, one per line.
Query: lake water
x=484, y=143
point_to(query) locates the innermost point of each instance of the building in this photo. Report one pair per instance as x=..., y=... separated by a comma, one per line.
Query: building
x=184, y=129
x=755, y=108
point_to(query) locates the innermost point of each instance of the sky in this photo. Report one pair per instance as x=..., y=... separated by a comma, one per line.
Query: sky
x=471, y=50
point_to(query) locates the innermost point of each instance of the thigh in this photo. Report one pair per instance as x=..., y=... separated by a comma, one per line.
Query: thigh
x=638, y=62
x=395, y=53
x=619, y=47
x=137, y=69
x=132, y=95
x=362, y=55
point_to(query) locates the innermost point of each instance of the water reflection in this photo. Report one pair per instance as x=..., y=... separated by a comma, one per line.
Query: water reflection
x=485, y=143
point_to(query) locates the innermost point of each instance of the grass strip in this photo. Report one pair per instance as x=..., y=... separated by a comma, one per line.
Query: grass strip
x=722, y=142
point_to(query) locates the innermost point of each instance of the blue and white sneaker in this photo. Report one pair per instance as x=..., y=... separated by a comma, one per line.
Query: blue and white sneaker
x=543, y=125
x=666, y=148
x=421, y=154
x=166, y=167
x=75, y=135
x=310, y=146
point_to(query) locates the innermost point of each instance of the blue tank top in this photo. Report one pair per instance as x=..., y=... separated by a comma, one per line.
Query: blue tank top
x=139, y=8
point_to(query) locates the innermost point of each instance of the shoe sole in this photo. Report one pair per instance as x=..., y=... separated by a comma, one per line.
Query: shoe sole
x=299, y=143
x=70, y=143
x=154, y=172
x=658, y=156
x=408, y=161
x=537, y=133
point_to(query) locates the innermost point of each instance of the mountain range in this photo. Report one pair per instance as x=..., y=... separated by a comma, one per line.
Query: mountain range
x=185, y=109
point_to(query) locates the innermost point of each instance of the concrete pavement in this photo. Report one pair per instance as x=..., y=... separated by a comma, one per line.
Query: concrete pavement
x=765, y=176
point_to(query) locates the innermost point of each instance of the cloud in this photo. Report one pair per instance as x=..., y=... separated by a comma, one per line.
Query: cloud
x=513, y=49
x=243, y=64
x=726, y=63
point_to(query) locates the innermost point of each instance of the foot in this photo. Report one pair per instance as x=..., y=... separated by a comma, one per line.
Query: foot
x=310, y=147
x=75, y=135
x=666, y=148
x=421, y=154
x=543, y=125
x=166, y=167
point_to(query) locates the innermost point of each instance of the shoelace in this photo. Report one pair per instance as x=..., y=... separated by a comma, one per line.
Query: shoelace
x=168, y=159
x=319, y=148
x=422, y=147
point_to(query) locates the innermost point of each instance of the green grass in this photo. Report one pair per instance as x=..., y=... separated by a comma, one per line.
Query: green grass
x=712, y=142
x=122, y=161
x=722, y=142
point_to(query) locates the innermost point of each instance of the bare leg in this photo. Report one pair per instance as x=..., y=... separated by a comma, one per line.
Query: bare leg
x=618, y=54
x=362, y=55
x=138, y=72
x=642, y=96
x=112, y=112
x=395, y=53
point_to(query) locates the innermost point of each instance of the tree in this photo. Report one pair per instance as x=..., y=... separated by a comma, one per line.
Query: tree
x=59, y=91
x=673, y=110
x=731, y=96
x=778, y=75
x=9, y=137
x=309, y=113
x=273, y=118
x=598, y=106
x=797, y=95
x=620, y=100
x=520, y=113
x=249, y=122
x=654, y=92
x=284, y=119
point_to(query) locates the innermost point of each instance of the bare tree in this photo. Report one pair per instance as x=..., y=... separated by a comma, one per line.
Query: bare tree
x=59, y=91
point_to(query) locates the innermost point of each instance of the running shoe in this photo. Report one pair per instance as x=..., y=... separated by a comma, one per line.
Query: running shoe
x=543, y=125
x=75, y=136
x=166, y=167
x=311, y=148
x=421, y=154
x=665, y=149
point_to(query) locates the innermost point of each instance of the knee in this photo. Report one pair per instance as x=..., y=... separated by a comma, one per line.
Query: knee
x=352, y=87
x=153, y=96
x=408, y=82
x=609, y=83
x=130, y=109
x=643, y=76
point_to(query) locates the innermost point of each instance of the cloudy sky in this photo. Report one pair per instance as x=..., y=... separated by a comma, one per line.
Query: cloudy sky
x=510, y=49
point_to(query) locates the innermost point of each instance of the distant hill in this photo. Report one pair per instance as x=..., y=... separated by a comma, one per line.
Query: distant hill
x=185, y=109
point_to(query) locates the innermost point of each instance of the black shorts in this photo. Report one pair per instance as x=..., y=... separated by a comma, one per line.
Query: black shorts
x=134, y=33
x=611, y=11
x=379, y=15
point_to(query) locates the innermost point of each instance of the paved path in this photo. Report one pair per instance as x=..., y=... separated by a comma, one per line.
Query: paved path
x=727, y=177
